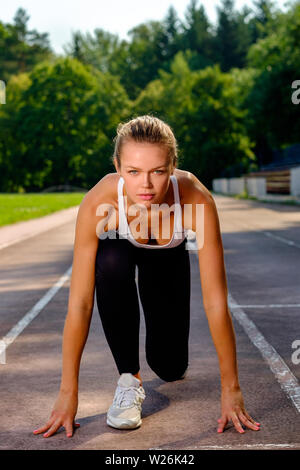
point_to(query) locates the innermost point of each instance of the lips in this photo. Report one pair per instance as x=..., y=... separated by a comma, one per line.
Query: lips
x=146, y=197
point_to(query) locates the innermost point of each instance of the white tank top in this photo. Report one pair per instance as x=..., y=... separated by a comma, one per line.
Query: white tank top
x=178, y=232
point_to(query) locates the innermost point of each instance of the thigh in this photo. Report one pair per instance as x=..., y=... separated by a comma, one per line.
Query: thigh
x=116, y=290
x=164, y=288
x=117, y=301
x=115, y=259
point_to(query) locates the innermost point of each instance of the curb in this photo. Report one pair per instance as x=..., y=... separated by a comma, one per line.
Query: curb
x=14, y=233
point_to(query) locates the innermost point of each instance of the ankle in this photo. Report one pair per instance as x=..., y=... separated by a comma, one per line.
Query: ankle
x=138, y=377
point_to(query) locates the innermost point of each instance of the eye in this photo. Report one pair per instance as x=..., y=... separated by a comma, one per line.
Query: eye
x=135, y=171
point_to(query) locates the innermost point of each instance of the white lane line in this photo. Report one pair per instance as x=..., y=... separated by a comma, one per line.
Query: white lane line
x=33, y=312
x=282, y=372
x=270, y=234
x=192, y=244
x=281, y=239
x=237, y=446
x=266, y=306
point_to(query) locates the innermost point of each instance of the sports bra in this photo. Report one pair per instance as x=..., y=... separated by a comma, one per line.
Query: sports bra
x=178, y=231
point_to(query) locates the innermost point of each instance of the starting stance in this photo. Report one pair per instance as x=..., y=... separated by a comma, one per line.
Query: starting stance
x=138, y=217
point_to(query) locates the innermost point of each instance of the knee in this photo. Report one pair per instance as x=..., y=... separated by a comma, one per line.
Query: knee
x=169, y=374
x=170, y=377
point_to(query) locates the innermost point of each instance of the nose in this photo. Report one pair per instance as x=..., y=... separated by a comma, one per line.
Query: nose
x=146, y=181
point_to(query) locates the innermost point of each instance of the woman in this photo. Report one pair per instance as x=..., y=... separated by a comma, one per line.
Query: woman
x=139, y=217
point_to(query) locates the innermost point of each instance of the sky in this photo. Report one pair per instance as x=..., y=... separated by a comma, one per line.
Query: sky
x=62, y=17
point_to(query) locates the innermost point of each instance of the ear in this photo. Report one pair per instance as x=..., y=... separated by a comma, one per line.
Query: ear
x=172, y=169
x=116, y=165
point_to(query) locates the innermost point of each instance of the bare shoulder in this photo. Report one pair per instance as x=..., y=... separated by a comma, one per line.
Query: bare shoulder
x=98, y=206
x=81, y=298
x=194, y=194
x=105, y=191
x=190, y=188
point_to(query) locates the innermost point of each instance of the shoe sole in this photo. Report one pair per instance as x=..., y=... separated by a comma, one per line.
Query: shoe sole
x=123, y=425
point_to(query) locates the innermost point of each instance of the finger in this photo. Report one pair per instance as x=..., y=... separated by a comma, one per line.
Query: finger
x=55, y=426
x=69, y=428
x=222, y=423
x=251, y=419
x=248, y=423
x=237, y=424
x=43, y=428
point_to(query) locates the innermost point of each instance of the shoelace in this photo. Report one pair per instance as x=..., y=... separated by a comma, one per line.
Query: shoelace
x=128, y=396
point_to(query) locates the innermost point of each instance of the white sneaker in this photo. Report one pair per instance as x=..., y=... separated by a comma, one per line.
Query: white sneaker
x=126, y=408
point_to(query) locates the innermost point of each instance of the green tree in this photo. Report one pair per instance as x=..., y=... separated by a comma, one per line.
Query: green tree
x=274, y=118
x=21, y=49
x=197, y=36
x=135, y=62
x=171, y=24
x=99, y=49
x=264, y=11
x=233, y=36
x=200, y=107
x=58, y=129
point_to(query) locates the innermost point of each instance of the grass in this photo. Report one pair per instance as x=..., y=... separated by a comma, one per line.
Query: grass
x=245, y=195
x=16, y=207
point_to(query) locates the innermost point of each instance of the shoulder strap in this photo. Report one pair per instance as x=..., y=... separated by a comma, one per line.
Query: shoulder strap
x=178, y=214
x=122, y=219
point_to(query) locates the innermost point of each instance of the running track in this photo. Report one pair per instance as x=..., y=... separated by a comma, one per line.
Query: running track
x=262, y=255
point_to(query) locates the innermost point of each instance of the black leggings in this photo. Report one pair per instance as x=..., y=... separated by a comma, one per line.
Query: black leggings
x=164, y=290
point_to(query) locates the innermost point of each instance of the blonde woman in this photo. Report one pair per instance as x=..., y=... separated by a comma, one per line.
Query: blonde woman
x=116, y=232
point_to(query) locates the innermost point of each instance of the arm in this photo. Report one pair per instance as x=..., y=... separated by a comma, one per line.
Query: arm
x=81, y=297
x=76, y=328
x=215, y=292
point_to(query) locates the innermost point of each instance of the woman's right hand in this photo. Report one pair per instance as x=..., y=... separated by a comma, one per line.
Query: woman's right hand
x=63, y=414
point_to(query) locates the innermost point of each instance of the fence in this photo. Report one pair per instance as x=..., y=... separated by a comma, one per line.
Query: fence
x=261, y=183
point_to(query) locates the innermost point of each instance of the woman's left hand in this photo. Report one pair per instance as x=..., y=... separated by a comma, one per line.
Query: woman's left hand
x=233, y=409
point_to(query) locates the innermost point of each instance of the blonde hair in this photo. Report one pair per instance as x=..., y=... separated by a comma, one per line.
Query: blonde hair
x=146, y=128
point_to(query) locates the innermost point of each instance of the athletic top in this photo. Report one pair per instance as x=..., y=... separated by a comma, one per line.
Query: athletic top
x=178, y=232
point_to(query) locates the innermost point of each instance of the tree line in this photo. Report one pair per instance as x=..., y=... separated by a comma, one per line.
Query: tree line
x=225, y=90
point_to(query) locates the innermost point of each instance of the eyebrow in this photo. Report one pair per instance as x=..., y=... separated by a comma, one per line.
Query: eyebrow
x=161, y=166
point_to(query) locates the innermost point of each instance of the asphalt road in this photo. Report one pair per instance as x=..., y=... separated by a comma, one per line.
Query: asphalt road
x=262, y=257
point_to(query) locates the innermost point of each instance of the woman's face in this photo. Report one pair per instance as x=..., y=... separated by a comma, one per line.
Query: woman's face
x=146, y=170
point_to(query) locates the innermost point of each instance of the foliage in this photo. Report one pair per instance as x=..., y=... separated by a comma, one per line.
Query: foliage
x=224, y=88
x=20, y=48
x=58, y=125
x=274, y=119
x=200, y=107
